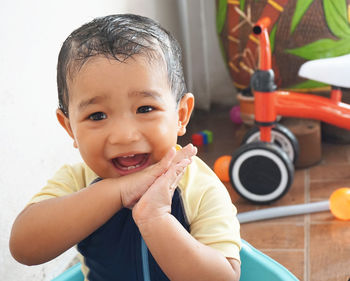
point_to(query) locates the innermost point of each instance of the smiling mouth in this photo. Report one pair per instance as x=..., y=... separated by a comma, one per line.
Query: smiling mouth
x=131, y=163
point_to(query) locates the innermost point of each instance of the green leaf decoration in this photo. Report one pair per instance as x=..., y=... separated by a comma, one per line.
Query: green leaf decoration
x=221, y=15
x=336, y=17
x=272, y=38
x=309, y=84
x=300, y=9
x=242, y=5
x=323, y=48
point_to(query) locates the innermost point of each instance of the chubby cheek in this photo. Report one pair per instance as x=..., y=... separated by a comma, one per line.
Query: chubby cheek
x=164, y=136
x=90, y=147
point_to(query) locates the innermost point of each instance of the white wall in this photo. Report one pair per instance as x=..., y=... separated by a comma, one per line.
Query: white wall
x=32, y=145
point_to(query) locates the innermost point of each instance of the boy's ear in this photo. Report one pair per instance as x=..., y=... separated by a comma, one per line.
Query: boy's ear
x=64, y=121
x=185, y=109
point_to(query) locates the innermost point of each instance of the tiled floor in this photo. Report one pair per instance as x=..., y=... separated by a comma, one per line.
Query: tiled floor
x=314, y=247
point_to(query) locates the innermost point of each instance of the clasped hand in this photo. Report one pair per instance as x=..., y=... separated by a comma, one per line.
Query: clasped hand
x=149, y=192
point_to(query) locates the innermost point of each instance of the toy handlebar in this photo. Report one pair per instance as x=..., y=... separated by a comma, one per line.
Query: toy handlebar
x=261, y=24
x=260, y=29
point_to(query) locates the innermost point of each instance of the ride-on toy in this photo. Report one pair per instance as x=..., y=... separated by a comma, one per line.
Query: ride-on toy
x=262, y=170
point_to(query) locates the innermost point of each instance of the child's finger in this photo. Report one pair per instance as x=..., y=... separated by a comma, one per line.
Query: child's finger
x=189, y=150
x=185, y=153
x=176, y=172
x=172, y=176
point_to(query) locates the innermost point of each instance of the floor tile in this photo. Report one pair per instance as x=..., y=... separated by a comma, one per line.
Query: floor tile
x=329, y=252
x=335, y=154
x=322, y=190
x=328, y=172
x=292, y=259
x=274, y=235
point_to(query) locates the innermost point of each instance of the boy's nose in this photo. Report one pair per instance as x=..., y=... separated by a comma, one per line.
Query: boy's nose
x=123, y=132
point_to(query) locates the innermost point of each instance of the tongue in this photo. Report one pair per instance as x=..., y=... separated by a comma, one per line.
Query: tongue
x=131, y=161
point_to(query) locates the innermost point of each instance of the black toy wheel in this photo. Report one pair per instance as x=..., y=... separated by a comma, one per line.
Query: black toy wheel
x=281, y=136
x=261, y=172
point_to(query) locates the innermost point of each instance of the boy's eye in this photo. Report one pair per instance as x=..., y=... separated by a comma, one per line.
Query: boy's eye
x=145, y=109
x=97, y=116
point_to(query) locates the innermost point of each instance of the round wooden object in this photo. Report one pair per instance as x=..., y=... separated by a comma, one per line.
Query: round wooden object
x=308, y=134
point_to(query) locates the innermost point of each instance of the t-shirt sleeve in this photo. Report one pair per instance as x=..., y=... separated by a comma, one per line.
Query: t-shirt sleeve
x=67, y=179
x=216, y=224
x=211, y=214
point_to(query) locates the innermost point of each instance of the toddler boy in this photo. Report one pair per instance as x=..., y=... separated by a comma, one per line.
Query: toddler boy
x=137, y=208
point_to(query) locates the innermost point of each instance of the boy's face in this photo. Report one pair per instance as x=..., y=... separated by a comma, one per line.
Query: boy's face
x=123, y=116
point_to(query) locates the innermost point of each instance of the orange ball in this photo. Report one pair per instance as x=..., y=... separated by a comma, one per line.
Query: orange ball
x=221, y=167
x=339, y=203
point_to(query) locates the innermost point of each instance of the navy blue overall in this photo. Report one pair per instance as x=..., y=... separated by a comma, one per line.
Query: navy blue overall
x=116, y=251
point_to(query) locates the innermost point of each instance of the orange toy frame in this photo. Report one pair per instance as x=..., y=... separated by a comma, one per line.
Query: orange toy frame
x=288, y=103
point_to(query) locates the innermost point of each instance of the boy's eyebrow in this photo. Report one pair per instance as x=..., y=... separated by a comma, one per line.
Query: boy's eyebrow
x=152, y=94
x=85, y=103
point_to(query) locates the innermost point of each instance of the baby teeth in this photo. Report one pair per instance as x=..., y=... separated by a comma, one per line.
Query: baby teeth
x=128, y=156
x=131, y=167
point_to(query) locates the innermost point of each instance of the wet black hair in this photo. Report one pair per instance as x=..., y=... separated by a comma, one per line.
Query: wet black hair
x=119, y=37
